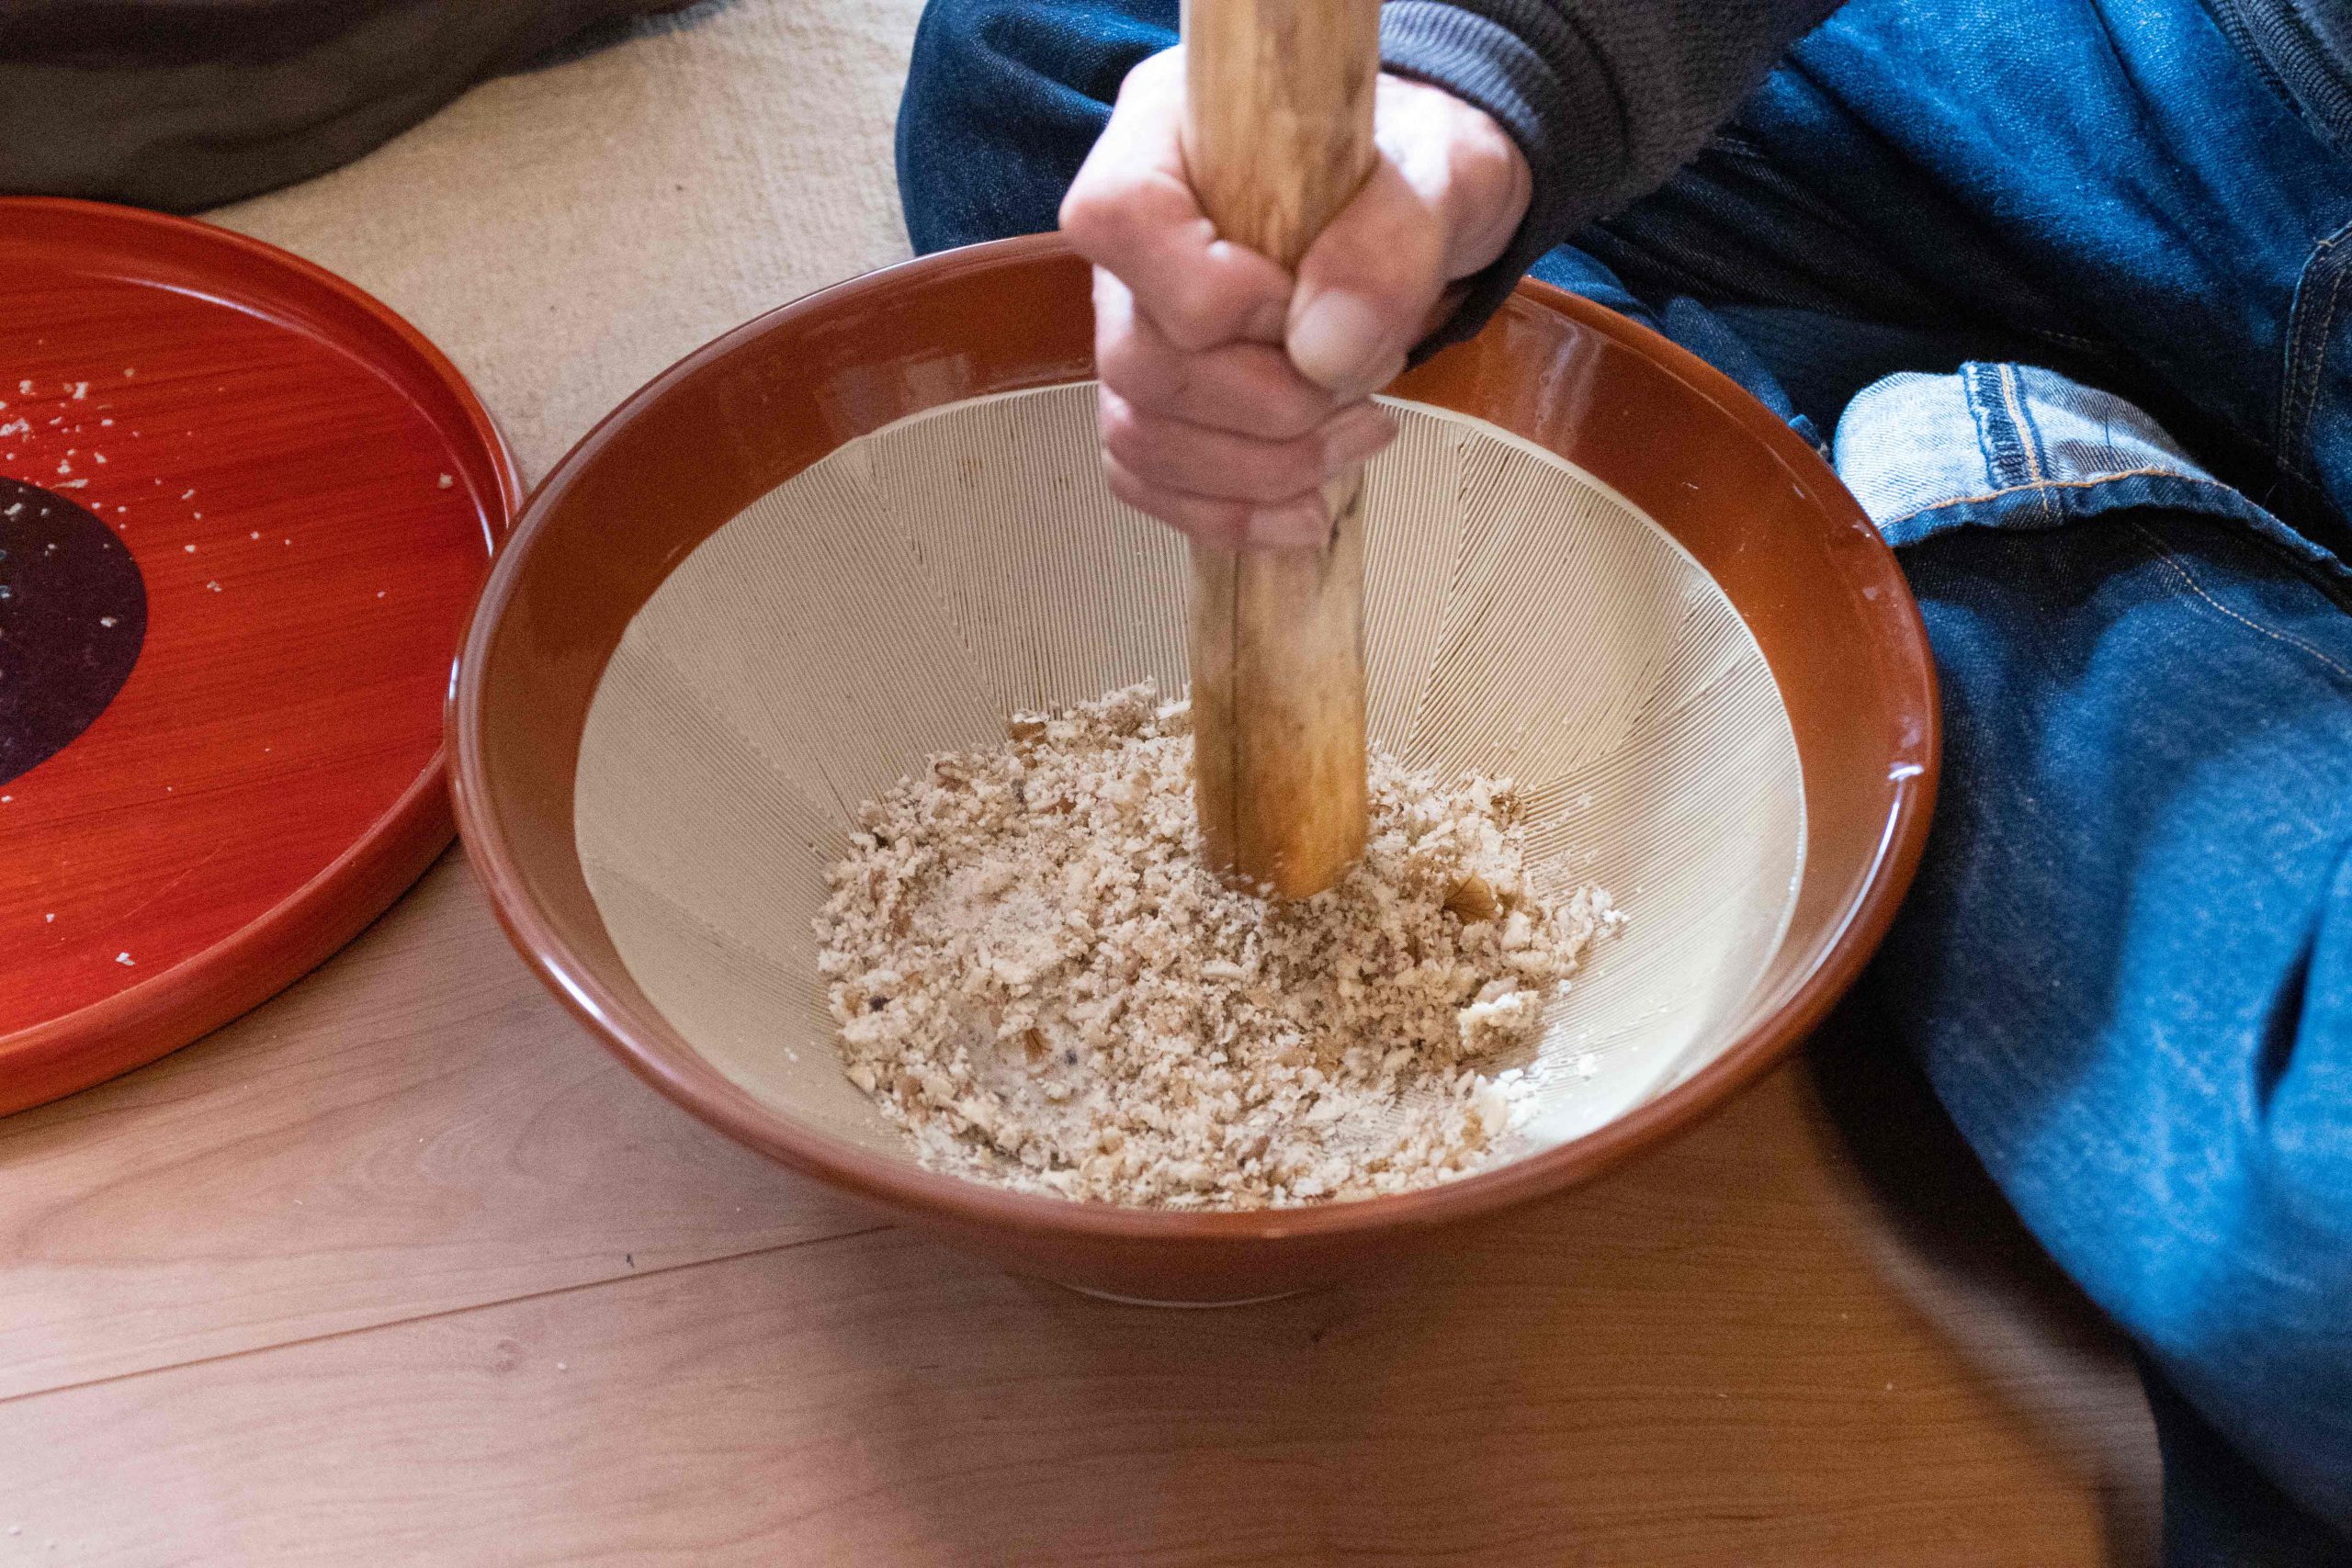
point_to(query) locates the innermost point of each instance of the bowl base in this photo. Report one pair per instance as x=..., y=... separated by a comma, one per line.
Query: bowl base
x=1146, y=1302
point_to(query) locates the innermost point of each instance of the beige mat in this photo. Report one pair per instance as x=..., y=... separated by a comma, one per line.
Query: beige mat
x=566, y=233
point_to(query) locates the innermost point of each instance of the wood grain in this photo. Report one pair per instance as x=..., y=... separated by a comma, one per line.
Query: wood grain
x=401, y=1268
x=418, y=1128
x=310, y=497
x=1278, y=106
x=1278, y=103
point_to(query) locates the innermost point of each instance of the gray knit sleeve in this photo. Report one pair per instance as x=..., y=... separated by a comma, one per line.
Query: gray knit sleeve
x=1606, y=97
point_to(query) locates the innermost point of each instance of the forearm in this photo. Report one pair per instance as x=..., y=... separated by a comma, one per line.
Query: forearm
x=1606, y=98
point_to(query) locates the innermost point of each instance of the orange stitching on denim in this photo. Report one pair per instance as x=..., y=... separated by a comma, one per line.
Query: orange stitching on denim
x=2057, y=484
x=2198, y=588
x=2027, y=438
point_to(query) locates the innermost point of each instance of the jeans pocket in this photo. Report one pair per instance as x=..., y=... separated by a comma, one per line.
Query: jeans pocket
x=2004, y=446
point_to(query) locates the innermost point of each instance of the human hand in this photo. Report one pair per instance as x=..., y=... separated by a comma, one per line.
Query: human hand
x=1231, y=391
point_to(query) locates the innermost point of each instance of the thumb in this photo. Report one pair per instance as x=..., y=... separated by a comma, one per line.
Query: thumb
x=1366, y=286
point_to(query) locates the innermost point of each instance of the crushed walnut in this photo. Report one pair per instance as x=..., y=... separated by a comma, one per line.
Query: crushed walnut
x=1037, y=977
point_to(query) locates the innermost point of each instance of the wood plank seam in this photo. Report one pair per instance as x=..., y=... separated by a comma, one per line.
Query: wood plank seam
x=552, y=1292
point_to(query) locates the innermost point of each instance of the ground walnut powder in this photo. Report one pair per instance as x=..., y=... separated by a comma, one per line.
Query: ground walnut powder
x=1038, y=978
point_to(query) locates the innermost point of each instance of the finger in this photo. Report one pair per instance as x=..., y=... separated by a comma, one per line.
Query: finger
x=1250, y=388
x=1297, y=523
x=1365, y=287
x=1131, y=209
x=1225, y=467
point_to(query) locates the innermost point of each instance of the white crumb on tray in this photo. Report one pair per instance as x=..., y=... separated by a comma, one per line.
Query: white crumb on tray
x=1034, y=975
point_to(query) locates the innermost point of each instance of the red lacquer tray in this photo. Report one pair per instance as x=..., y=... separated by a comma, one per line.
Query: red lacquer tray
x=245, y=509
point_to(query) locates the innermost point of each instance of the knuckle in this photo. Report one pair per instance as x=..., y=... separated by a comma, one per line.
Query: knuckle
x=1128, y=365
x=1117, y=362
x=1195, y=303
x=1092, y=217
x=1293, y=416
x=1193, y=316
x=1258, y=383
x=1112, y=216
x=1266, y=472
x=1125, y=436
x=1122, y=483
x=1296, y=468
x=1177, y=315
x=1210, y=519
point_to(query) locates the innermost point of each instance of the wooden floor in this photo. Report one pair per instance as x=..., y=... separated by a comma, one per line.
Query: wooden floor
x=402, y=1269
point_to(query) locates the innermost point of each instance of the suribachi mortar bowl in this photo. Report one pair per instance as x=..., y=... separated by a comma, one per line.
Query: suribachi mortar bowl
x=870, y=525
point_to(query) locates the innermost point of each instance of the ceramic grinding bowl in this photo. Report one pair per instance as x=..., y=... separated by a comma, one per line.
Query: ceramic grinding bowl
x=870, y=525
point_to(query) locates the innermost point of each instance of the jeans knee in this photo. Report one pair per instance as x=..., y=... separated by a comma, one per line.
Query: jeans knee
x=952, y=32
x=1003, y=100
x=952, y=63
x=1041, y=48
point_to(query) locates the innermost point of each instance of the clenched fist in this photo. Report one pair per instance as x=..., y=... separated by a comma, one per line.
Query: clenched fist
x=1231, y=390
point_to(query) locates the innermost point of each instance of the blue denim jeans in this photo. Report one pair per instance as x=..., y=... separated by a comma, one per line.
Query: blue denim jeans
x=2059, y=285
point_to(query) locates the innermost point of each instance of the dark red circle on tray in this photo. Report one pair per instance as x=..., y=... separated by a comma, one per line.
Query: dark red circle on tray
x=73, y=614
x=312, y=494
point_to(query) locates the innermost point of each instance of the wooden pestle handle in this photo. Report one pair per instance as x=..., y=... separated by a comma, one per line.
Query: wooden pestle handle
x=1277, y=138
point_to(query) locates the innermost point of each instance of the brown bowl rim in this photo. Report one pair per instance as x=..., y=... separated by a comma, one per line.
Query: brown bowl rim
x=657, y=1054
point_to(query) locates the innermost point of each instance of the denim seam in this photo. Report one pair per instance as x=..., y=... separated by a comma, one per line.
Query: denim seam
x=2306, y=350
x=1986, y=442
x=2036, y=469
x=2298, y=390
x=2005, y=461
x=2047, y=485
x=2293, y=70
x=2172, y=561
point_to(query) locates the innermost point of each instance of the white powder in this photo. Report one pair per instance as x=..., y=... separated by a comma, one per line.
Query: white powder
x=1038, y=978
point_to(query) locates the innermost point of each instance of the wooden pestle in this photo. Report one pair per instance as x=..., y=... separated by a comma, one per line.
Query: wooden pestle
x=1277, y=138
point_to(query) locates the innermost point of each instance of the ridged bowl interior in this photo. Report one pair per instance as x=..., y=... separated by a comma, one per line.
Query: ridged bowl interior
x=906, y=593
